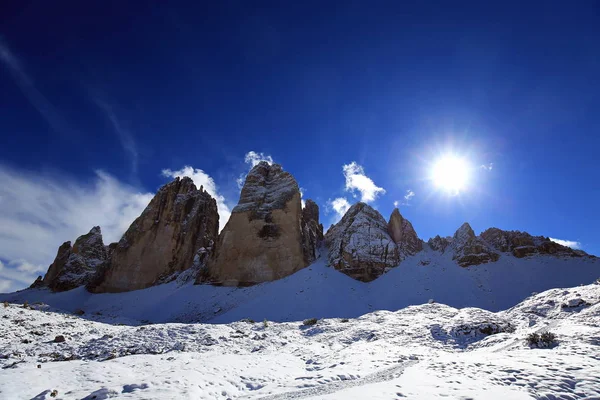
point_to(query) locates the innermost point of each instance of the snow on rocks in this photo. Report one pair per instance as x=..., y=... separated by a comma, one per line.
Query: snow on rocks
x=75, y=265
x=360, y=245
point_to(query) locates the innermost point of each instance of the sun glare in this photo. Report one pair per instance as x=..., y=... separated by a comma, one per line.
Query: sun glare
x=451, y=174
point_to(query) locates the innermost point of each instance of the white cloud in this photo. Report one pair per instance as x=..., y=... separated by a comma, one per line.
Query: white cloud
x=340, y=205
x=357, y=180
x=409, y=195
x=40, y=212
x=201, y=178
x=396, y=203
x=569, y=243
x=488, y=167
x=253, y=158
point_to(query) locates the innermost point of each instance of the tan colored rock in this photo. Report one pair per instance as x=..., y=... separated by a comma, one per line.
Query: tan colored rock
x=262, y=241
x=403, y=233
x=360, y=245
x=180, y=222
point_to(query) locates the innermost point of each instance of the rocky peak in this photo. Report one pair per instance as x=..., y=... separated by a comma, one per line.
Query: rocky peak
x=463, y=235
x=267, y=188
x=439, y=243
x=522, y=244
x=469, y=249
x=179, y=222
x=360, y=245
x=312, y=231
x=263, y=239
x=75, y=265
x=403, y=233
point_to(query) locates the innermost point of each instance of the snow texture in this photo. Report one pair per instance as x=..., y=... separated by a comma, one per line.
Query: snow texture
x=419, y=352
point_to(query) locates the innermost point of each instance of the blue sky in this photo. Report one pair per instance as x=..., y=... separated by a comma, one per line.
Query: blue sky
x=358, y=100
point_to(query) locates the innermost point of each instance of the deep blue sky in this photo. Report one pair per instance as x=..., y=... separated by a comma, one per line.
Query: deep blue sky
x=132, y=89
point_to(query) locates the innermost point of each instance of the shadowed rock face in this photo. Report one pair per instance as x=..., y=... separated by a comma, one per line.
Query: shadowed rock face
x=439, y=243
x=404, y=235
x=262, y=241
x=180, y=222
x=522, y=244
x=360, y=245
x=469, y=249
x=312, y=231
x=75, y=265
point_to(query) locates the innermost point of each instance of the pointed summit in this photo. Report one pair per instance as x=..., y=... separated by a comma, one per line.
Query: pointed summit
x=360, y=245
x=179, y=222
x=404, y=235
x=75, y=265
x=470, y=249
x=263, y=239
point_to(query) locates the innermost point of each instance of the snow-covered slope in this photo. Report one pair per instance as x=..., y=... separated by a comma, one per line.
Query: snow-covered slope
x=419, y=352
x=322, y=292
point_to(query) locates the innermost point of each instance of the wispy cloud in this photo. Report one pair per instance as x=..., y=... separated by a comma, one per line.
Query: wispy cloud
x=409, y=195
x=396, y=203
x=253, y=158
x=29, y=90
x=41, y=211
x=569, y=243
x=356, y=180
x=201, y=178
x=125, y=136
x=487, y=167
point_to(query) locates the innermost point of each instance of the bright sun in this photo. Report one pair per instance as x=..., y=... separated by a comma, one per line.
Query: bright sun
x=451, y=174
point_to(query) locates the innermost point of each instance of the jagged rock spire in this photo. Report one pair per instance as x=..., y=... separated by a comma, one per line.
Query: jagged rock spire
x=403, y=233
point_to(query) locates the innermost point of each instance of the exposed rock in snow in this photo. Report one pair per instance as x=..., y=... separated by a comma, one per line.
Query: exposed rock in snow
x=312, y=231
x=262, y=241
x=439, y=243
x=360, y=245
x=163, y=240
x=74, y=266
x=403, y=233
x=469, y=249
x=522, y=244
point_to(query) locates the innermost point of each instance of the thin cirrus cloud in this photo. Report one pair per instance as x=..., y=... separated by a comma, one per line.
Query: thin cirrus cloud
x=201, y=178
x=569, y=243
x=487, y=167
x=125, y=136
x=409, y=195
x=41, y=211
x=356, y=180
x=252, y=158
x=27, y=86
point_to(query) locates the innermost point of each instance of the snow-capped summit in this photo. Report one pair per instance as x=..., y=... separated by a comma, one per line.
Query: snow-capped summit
x=263, y=239
x=469, y=249
x=360, y=245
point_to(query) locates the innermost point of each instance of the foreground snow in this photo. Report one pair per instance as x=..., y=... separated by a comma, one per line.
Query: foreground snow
x=424, y=351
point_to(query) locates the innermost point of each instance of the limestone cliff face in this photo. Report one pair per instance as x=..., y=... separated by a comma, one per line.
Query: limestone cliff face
x=404, y=235
x=312, y=231
x=75, y=265
x=262, y=241
x=471, y=250
x=360, y=245
x=180, y=222
x=522, y=244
